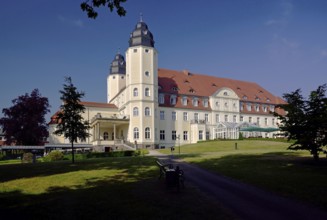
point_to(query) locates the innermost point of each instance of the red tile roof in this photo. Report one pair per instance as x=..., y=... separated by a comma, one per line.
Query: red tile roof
x=184, y=83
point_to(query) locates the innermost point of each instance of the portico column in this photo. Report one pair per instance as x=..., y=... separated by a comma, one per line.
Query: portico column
x=114, y=132
x=98, y=131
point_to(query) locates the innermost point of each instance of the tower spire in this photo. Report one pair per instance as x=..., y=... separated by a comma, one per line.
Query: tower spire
x=141, y=17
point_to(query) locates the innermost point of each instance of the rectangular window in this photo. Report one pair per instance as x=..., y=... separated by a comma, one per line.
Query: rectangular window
x=162, y=134
x=258, y=121
x=241, y=118
x=185, y=116
x=185, y=135
x=226, y=118
x=173, y=135
x=206, y=117
x=207, y=135
x=173, y=116
x=217, y=118
x=266, y=121
x=250, y=119
x=234, y=118
x=162, y=115
x=273, y=121
x=200, y=135
x=196, y=116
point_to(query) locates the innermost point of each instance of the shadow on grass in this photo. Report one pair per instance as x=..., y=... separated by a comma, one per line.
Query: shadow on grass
x=133, y=193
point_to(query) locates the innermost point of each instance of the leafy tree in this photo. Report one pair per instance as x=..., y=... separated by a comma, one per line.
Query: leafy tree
x=89, y=7
x=24, y=122
x=70, y=120
x=306, y=120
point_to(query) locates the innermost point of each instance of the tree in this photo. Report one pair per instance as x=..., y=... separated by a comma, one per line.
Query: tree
x=111, y=4
x=306, y=120
x=70, y=120
x=24, y=122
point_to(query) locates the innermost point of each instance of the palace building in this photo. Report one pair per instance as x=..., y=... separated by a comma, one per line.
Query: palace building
x=153, y=107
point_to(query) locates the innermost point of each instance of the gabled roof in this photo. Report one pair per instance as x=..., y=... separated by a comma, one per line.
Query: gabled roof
x=190, y=84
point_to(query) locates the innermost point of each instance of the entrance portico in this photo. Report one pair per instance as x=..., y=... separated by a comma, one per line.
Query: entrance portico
x=109, y=130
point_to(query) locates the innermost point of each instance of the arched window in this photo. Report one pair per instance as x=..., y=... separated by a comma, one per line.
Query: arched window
x=135, y=92
x=147, y=133
x=136, y=133
x=147, y=111
x=135, y=111
x=105, y=135
x=147, y=92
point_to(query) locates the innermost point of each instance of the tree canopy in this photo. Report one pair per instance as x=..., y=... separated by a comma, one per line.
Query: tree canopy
x=306, y=120
x=89, y=7
x=70, y=121
x=24, y=122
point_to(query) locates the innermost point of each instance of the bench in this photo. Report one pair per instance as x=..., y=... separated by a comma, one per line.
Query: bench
x=173, y=176
x=163, y=168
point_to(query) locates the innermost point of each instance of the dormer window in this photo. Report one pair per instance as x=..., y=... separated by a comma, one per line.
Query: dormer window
x=161, y=98
x=184, y=100
x=245, y=97
x=257, y=98
x=268, y=99
x=265, y=108
x=195, y=101
x=257, y=107
x=272, y=108
x=192, y=90
x=173, y=100
x=248, y=106
x=205, y=102
x=159, y=87
x=213, y=84
x=174, y=88
x=186, y=81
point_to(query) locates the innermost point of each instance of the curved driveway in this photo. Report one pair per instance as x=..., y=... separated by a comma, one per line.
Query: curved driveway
x=245, y=201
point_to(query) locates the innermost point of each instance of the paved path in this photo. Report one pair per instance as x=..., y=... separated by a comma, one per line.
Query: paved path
x=245, y=201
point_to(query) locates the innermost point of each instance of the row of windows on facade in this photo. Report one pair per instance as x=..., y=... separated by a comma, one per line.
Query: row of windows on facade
x=147, y=112
x=147, y=134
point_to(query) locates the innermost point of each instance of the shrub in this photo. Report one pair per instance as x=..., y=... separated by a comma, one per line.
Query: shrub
x=27, y=158
x=55, y=155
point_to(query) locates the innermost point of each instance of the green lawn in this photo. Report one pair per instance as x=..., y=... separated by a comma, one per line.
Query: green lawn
x=266, y=164
x=105, y=188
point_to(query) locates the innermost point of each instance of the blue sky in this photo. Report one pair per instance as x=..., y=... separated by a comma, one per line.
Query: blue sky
x=279, y=44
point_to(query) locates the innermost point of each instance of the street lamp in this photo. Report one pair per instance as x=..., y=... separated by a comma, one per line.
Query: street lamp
x=179, y=144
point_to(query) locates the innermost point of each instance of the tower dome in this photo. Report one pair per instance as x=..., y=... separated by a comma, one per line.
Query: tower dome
x=118, y=65
x=141, y=36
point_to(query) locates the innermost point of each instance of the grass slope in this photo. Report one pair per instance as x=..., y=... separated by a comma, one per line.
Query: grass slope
x=266, y=164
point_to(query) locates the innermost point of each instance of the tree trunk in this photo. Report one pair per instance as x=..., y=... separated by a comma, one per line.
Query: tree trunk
x=73, y=159
x=315, y=155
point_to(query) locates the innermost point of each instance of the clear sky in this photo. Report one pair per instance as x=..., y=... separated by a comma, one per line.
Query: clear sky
x=279, y=44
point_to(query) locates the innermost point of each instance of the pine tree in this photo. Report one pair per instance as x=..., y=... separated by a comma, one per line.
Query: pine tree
x=70, y=120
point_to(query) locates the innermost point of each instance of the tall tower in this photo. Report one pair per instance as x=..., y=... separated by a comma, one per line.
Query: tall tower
x=116, y=80
x=142, y=85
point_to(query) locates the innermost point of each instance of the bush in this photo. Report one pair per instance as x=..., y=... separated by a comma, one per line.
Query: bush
x=54, y=155
x=2, y=156
x=27, y=158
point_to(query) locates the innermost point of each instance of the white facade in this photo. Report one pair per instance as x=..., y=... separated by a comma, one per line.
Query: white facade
x=151, y=107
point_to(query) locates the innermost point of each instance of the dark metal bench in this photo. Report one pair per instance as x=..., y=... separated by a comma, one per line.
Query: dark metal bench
x=173, y=176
